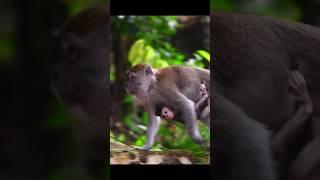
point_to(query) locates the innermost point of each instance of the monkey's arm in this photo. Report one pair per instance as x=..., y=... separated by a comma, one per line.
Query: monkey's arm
x=153, y=127
x=293, y=129
x=199, y=105
x=287, y=136
x=205, y=115
x=306, y=165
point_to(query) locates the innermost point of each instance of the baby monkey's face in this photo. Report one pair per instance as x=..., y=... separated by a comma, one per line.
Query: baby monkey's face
x=166, y=113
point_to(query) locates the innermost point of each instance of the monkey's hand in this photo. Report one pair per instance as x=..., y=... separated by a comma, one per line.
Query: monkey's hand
x=146, y=148
x=204, y=93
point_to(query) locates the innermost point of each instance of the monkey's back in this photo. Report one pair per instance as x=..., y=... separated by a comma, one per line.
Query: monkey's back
x=184, y=78
x=181, y=76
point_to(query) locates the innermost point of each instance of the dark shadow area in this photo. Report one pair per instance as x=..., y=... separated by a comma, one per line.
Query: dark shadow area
x=37, y=134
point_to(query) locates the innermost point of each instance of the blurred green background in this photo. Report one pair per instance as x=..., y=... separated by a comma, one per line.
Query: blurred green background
x=299, y=10
x=160, y=41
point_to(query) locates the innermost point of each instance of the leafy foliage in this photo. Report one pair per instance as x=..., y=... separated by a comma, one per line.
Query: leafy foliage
x=151, y=37
x=141, y=52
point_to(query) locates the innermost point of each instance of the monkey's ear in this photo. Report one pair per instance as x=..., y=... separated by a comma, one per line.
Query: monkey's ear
x=148, y=70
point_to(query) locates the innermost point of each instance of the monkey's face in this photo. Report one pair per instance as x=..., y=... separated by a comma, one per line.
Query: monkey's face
x=140, y=79
x=167, y=114
x=81, y=71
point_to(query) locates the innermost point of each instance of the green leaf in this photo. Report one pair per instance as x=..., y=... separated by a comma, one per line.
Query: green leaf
x=160, y=64
x=140, y=141
x=128, y=99
x=122, y=137
x=111, y=134
x=204, y=54
x=142, y=127
x=227, y=5
x=149, y=54
x=145, y=118
x=136, y=50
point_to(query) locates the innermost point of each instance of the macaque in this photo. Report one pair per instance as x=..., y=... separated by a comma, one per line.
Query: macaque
x=253, y=57
x=175, y=87
x=80, y=80
x=202, y=107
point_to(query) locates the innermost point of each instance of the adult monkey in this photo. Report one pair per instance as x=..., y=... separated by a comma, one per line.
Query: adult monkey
x=80, y=79
x=253, y=57
x=176, y=87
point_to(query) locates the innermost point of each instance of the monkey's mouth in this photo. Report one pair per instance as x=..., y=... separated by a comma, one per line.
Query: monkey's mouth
x=131, y=90
x=165, y=117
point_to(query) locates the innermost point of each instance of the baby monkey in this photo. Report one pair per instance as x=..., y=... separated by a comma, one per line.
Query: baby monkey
x=202, y=107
